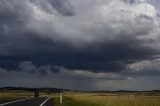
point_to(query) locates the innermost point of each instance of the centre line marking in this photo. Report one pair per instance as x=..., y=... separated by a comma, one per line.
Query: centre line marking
x=45, y=101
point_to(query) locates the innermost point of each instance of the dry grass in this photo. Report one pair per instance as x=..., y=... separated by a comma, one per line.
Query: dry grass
x=10, y=95
x=82, y=99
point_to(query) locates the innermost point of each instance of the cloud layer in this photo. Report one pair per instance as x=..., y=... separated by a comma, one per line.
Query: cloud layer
x=108, y=39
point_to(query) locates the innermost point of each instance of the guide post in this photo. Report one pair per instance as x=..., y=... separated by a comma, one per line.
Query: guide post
x=61, y=98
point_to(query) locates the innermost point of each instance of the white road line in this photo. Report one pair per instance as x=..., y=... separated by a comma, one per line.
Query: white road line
x=14, y=101
x=44, y=102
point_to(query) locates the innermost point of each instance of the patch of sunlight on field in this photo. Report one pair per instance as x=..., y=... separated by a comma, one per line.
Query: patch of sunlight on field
x=82, y=99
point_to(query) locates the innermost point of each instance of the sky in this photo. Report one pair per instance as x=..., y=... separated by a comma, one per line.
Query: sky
x=80, y=44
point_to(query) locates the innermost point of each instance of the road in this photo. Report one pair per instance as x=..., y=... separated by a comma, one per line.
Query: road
x=41, y=101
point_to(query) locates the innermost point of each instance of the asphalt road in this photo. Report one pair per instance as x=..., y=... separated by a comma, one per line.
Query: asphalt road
x=42, y=101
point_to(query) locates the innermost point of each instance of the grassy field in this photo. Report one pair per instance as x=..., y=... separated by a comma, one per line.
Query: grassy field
x=10, y=95
x=92, y=99
x=82, y=99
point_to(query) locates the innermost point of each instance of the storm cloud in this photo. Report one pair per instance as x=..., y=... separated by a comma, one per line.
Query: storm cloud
x=115, y=37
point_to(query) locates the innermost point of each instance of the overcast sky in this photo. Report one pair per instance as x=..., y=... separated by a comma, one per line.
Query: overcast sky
x=80, y=44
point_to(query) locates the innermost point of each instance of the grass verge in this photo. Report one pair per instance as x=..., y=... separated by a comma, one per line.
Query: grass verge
x=118, y=100
x=68, y=101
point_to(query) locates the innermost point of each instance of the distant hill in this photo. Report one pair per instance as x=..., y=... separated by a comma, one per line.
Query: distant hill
x=54, y=90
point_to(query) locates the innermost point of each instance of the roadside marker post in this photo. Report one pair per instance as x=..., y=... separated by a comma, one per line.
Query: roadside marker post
x=61, y=98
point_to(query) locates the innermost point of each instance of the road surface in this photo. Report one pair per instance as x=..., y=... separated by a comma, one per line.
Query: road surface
x=42, y=101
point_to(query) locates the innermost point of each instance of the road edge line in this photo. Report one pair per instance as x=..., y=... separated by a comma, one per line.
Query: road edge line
x=44, y=102
x=14, y=101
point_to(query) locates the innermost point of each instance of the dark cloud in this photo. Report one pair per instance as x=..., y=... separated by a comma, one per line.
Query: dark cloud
x=134, y=1
x=107, y=39
x=63, y=6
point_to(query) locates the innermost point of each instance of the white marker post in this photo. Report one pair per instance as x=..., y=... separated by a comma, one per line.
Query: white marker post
x=60, y=98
